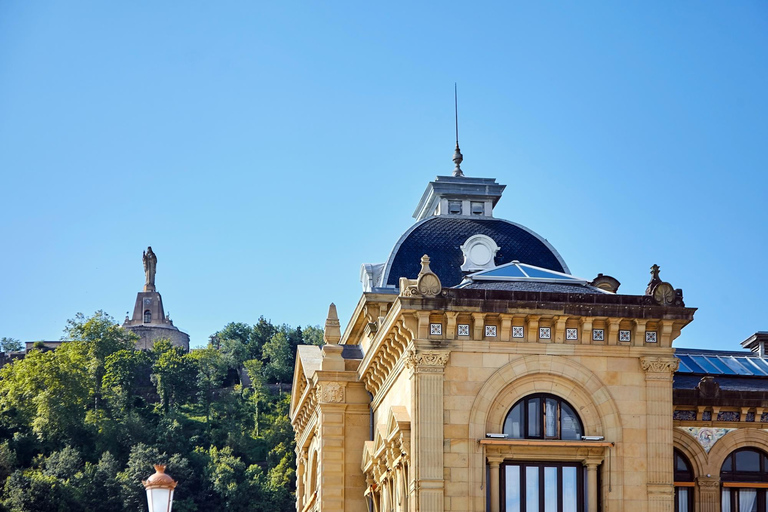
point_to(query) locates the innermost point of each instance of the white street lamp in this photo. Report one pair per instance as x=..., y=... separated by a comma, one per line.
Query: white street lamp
x=159, y=488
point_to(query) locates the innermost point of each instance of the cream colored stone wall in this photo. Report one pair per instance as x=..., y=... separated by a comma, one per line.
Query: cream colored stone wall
x=399, y=394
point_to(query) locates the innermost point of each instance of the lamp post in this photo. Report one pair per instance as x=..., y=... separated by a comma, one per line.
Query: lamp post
x=159, y=488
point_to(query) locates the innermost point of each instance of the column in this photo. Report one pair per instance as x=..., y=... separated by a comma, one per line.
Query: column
x=592, y=486
x=659, y=410
x=493, y=482
x=300, y=470
x=427, y=371
x=709, y=494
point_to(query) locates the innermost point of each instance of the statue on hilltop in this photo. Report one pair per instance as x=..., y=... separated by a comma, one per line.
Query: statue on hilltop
x=150, y=267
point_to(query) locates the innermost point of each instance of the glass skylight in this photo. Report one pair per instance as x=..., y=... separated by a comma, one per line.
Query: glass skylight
x=712, y=364
x=516, y=271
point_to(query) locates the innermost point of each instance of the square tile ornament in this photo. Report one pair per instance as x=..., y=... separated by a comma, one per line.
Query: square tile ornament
x=545, y=333
x=598, y=334
x=625, y=335
x=436, y=329
x=463, y=329
x=650, y=336
x=518, y=332
x=490, y=331
x=571, y=334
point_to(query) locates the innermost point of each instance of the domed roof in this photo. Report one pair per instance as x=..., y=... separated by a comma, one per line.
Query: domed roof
x=442, y=236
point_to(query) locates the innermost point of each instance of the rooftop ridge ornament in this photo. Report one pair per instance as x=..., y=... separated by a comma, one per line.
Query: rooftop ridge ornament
x=457, y=156
x=332, y=331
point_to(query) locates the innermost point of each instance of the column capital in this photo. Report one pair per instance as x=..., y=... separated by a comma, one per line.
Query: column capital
x=659, y=368
x=427, y=361
x=494, y=462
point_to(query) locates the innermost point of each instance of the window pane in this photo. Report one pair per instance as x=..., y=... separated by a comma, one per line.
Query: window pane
x=513, y=488
x=534, y=417
x=550, y=489
x=682, y=499
x=747, y=500
x=550, y=417
x=747, y=460
x=725, y=502
x=532, y=489
x=728, y=464
x=570, y=426
x=570, y=494
x=513, y=425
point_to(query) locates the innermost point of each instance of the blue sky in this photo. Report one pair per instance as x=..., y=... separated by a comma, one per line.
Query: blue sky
x=266, y=149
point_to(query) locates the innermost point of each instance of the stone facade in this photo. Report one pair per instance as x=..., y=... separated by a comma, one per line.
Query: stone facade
x=416, y=419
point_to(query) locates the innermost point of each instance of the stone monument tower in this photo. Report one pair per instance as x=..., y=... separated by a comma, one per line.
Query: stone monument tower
x=149, y=320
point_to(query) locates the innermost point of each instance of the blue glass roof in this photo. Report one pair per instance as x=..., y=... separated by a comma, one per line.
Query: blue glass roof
x=723, y=363
x=515, y=271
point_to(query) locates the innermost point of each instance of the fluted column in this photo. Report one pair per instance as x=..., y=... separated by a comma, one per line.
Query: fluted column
x=659, y=410
x=427, y=370
x=709, y=494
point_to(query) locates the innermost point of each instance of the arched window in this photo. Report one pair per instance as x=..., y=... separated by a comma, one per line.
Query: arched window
x=684, y=484
x=147, y=316
x=543, y=486
x=543, y=416
x=744, y=477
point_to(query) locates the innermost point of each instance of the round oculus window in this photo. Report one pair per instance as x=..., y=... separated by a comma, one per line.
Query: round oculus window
x=480, y=254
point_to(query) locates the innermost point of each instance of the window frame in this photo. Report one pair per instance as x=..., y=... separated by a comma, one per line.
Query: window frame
x=542, y=398
x=581, y=482
x=735, y=480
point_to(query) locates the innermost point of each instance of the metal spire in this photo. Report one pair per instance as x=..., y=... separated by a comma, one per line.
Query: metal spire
x=457, y=156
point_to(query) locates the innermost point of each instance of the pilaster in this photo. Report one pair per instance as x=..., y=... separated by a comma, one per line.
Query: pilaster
x=660, y=477
x=427, y=373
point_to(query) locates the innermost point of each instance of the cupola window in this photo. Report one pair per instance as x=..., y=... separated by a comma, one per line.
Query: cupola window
x=454, y=207
x=478, y=208
x=147, y=316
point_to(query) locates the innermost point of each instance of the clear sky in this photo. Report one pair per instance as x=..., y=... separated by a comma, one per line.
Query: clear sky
x=266, y=149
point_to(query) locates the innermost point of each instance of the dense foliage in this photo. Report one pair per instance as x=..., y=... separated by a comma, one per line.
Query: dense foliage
x=82, y=425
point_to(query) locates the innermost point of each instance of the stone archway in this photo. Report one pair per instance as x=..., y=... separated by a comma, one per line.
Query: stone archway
x=541, y=374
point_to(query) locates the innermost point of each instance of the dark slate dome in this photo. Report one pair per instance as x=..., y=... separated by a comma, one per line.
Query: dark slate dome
x=441, y=238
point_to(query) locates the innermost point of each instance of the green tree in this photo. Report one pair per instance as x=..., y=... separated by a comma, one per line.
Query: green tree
x=99, y=337
x=277, y=356
x=174, y=374
x=10, y=345
x=211, y=369
x=122, y=369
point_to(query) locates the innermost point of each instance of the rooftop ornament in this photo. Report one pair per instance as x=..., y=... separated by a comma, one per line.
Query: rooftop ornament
x=159, y=489
x=457, y=156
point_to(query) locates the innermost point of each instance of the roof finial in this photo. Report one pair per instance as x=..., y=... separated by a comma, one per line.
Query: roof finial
x=457, y=156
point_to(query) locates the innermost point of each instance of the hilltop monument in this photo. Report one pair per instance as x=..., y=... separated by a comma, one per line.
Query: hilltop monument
x=149, y=320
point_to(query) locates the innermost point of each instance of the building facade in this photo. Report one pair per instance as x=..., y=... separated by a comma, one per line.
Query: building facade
x=478, y=374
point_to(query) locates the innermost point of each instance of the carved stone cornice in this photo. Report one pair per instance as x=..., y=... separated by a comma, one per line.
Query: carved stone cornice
x=659, y=368
x=427, y=361
x=387, y=352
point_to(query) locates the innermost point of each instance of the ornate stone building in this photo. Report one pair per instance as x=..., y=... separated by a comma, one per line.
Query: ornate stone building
x=149, y=320
x=478, y=374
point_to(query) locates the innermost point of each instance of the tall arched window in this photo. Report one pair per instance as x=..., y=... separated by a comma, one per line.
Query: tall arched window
x=147, y=316
x=744, y=480
x=543, y=486
x=543, y=416
x=684, y=484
